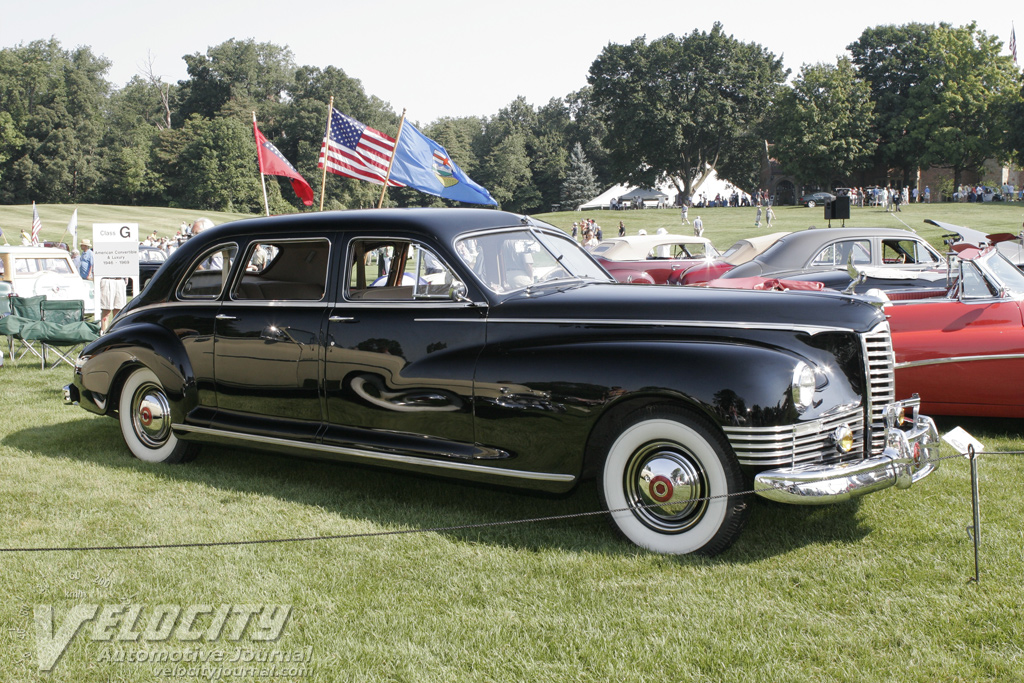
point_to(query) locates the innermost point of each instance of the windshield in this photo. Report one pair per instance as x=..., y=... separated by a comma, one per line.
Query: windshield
x=516, y=259
x=1005, y=272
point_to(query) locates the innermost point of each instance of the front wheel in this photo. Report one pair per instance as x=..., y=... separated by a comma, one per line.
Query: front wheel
x=811, y=204
x=667, y=477
x=144, y=413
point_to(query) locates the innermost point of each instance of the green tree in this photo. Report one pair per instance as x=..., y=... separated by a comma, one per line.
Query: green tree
x=580, y=184
x=894, y=61
x=217, y=166
x=237, y=74
x=54, y=98
x=973, y=86
x=675, y=106
x=824, y=125
x=506, y=172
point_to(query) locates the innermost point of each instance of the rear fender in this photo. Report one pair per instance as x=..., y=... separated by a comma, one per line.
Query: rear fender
x=114, y=356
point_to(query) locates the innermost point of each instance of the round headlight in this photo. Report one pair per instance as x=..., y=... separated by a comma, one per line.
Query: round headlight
x=843, y=438
x=803, y=386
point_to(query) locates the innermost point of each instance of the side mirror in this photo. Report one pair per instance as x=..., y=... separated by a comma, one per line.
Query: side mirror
x=459, y=292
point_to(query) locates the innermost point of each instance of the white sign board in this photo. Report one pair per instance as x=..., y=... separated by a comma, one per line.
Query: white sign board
x=115, y=252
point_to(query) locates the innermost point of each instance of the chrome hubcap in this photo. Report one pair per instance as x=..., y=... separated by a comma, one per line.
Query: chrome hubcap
x=662, y=481
x=151, y=415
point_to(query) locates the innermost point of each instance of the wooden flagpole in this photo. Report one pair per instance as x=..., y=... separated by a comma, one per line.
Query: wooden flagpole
x=391, y=161
x=326, y=147
x=259, y=162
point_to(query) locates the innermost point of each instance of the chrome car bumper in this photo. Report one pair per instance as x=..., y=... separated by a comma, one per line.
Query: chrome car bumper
x=71, y=395
x=910, y=455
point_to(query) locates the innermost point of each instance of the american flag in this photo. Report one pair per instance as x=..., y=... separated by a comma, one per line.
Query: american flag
x=356, y=150
x=37, y=224
x=1013, y=43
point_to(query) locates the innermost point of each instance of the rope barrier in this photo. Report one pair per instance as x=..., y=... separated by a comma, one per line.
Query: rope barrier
x=401, y=532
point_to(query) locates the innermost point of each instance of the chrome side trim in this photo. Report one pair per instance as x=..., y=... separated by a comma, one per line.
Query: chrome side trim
x=373, y=455
x=959, y=359
x=703, y=324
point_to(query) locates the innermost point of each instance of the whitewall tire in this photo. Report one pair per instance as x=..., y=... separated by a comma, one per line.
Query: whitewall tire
x=145, y=416
x=669, y=467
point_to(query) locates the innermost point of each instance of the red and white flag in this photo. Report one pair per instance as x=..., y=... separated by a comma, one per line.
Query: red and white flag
x=37, y=225
x=272, y=162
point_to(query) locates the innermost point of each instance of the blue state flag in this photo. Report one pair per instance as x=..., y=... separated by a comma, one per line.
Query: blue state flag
x=423, y=164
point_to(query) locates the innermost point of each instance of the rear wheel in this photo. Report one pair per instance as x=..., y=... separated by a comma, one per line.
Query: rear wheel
x=811, y=204
x=674, y=473
x=144, y=413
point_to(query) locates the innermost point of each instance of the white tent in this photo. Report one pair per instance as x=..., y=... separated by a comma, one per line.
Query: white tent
x=710, y=187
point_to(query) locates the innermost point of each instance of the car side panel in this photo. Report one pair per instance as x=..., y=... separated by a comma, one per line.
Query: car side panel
x=961, y=357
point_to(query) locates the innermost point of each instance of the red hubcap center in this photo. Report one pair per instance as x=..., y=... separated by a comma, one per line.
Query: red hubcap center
x=661, y=489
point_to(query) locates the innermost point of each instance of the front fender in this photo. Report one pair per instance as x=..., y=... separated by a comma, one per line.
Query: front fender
x=106, y=362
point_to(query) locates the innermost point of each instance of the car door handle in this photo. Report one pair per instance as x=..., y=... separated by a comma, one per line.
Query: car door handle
x=341, y=319
x=224, y=316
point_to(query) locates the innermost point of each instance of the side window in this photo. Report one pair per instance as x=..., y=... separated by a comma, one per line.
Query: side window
x=825, y=257
x=209, y=276
x=395, y=270
x=975, y=286
x=284, y=270
x=839, y=254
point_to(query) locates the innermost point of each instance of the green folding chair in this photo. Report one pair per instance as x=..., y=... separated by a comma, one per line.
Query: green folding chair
x=64, y=331
x=24, y=311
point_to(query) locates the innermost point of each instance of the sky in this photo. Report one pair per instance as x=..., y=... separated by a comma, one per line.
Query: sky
x=461, y=58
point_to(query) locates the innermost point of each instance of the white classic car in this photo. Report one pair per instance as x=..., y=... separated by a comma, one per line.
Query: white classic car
x=31, y=271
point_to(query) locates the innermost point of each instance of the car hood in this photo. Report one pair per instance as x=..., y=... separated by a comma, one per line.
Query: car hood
x=653, y=305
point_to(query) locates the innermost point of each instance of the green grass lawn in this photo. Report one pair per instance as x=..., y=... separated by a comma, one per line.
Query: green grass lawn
x=876, y=590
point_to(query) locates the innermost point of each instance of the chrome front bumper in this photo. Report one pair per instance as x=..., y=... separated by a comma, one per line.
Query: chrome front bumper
x=910, y=455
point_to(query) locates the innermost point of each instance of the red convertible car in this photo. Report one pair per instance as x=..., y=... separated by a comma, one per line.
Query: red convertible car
x=962, y=350
x=651, y=259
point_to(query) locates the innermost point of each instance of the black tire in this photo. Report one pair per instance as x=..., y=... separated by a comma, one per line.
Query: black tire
x=811, y=204
x=661, y=459
x=145, y=417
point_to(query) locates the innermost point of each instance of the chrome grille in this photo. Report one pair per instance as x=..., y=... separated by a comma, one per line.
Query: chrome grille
x=881, y=363
x=803, y=442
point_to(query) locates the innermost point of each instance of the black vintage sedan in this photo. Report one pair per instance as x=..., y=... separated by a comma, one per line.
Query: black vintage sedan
x=489, y=346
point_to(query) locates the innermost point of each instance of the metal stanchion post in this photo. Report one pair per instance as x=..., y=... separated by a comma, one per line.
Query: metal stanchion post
x=976, y=509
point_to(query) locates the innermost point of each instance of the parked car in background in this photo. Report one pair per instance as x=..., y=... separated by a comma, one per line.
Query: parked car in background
x=740, y=252
x=35, y=271
x=825, y=254
x=652, y=259
x=498, y=351
x=815, y=198
x=150, y=260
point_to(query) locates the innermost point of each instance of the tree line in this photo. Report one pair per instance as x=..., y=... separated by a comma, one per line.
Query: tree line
x=673, y=108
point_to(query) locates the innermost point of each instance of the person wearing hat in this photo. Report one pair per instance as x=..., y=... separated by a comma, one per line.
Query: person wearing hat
x=85, y=263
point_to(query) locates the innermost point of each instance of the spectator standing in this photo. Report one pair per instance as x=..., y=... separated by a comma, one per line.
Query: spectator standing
x=698, y=227
x=622, y=229
x=757, y=220
x=927, y=195
x=769, y=215
x=112, y=298
x=683, y=212
x=85, y=262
